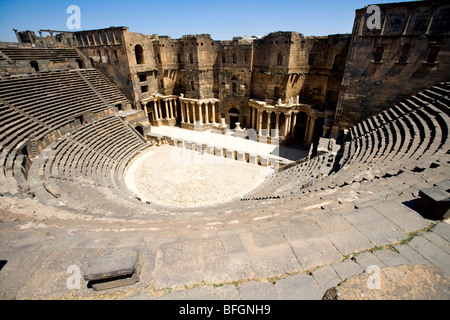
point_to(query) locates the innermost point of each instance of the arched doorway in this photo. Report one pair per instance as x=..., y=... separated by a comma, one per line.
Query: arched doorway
x=233, y=113
x=139, y=52
x=140, y=129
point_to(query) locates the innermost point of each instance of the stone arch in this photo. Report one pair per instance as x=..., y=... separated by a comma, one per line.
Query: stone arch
x=279, y=59
x=139, y=53
x=140, y=129
x=234, y=84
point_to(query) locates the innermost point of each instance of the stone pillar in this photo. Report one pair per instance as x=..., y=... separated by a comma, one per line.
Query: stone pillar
x=182, y=111
x=213, y=105
x=145, y=110
x=277, y=124
x=294, y=120
x=188, y=112
x=200, y=115
x=159, y=107
x=175, y=109
x=156, y=110
x=172, y=112
x=207, y=113
x=287, y=123
x=311, y=130
x=193, y=112
x=259, y=121
x=167, y=109
x=269, y=114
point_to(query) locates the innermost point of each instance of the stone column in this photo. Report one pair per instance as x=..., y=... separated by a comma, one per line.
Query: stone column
x=259, y=121
x=170, y=114
x=159, y=107
x=311, y=129
x=294, y=120
x=145, y=110
x=156, y=110
x=287, y=124
x=213, y=113
x=277, y=124
x=193, y=112
x=167, y=109
x=175, y=109
x=188, y=112
x=269, y=114
x=207, y=113
x=200, y=115
x=182, y=111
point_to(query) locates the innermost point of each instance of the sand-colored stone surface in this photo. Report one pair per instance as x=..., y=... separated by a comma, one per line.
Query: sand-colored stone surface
x=183, y=178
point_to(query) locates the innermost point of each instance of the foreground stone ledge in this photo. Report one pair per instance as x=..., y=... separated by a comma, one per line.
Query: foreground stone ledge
x=118, y=268
x=404, y=282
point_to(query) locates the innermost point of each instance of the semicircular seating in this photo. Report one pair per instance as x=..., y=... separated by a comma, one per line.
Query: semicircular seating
x=412, y=135
x=35, y=109
x=82, y=166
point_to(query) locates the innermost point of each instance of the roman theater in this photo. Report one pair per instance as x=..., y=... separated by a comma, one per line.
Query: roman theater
x=138, y=166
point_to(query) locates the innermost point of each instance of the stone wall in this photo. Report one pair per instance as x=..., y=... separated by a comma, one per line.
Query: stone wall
x=409, y=52
x=342, y=77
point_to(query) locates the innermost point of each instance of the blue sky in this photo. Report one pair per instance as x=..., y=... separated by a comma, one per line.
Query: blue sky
x=222, y=19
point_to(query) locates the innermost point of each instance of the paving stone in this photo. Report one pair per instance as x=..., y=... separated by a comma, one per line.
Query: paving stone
x=411, y=255
x=347, y=268
x=310, y=244
x=431, y=252
x=213, y=260
x=391, y=258
x=405, y=282
x=225, y=259
x=178, y=264
x=269, y=253
x=436, y=239
x=51, y=277
x=255, y=290
x=367, y=259
x=141, y=295
x=226, y=292
x=344, y=236
x=443, y=229
x=298, y=287
x=29, y=264
x=174, y=295
x=204, y=292
x=407, y=219
x=326, y=277
x=375, y=226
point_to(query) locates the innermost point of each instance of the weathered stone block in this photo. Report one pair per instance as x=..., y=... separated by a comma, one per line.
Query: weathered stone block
x=115, y=269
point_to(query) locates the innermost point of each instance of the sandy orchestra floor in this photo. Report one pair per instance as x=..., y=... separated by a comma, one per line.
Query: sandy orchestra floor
x=183, y=178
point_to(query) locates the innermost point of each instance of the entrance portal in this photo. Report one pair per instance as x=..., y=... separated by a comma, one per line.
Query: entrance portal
x=233, y=113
